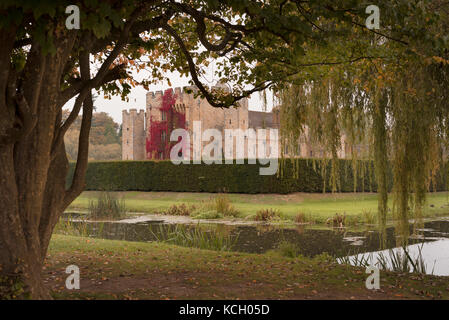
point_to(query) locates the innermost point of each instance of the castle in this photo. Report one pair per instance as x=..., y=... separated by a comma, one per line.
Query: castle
x=146, y=134
x=137, y=133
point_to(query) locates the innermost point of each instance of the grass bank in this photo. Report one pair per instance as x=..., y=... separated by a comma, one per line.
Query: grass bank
x=358, y=207
x=112, y=269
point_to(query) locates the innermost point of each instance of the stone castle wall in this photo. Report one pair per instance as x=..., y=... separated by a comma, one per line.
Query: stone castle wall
x=198, y=109
x=136, y=125
x=133, y=135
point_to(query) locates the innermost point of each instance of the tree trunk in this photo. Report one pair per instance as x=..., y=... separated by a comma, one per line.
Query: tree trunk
x=33, y=169
x=21, y=264
x=33, y=161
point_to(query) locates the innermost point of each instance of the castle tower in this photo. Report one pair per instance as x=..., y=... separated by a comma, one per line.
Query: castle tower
x=196, y=109
x=133, y=135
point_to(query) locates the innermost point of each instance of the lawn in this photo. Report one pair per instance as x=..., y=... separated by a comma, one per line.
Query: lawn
x=317, y=207
x=111, y=269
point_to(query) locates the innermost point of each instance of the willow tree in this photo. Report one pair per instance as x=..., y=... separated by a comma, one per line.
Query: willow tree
x=43, y=65
x=393, y=97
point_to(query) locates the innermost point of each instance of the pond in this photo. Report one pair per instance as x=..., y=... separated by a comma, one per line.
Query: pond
x=432, y=241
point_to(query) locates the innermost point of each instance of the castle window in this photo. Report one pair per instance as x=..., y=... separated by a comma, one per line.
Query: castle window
x=127, y=129
x=229, y=121
x=163, y=116
x=163, y=136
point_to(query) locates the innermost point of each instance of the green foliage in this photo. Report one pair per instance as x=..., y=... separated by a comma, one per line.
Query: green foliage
x=165, y=176
x=104, y=139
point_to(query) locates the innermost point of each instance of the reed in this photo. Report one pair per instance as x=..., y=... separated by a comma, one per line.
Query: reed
x=195, y=237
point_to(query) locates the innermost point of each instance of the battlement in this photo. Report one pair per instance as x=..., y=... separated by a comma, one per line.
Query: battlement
x=178, y=91
x=133, y=112
x=155, y=94
x=184, y=100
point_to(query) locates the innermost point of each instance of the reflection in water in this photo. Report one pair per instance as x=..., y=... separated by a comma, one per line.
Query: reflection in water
x=261, y=238
x=427, y=257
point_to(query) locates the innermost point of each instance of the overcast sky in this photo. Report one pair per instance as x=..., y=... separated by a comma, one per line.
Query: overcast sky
x=115, y=106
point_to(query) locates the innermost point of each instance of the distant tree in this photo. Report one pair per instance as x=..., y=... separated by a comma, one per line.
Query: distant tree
x=104, y=140
x=106, y=152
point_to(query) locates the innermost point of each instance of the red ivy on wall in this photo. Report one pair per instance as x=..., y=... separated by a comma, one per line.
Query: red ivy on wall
x=158, y=143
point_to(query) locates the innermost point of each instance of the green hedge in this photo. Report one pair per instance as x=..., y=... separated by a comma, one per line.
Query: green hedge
x=235, y=178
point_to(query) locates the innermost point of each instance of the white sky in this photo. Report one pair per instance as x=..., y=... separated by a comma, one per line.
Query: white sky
x=115, y=106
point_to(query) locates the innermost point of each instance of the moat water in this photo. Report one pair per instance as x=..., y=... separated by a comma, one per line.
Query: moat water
x=431, y=241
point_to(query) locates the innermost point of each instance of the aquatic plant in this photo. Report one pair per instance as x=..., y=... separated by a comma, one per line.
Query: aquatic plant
x=223, y=205
x=206, y=214
x=338, y=221
x=324, y=257
x=68, y=227
x=398, y=260
x=267, y=215
x=180, y=210
x=195, y=237
x=356, y=260
x=368, y=217
x=300, y=217
x=215, y=208
x=288, y=249
x=107, y=206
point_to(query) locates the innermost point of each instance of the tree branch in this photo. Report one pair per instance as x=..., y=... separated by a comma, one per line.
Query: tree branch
x=116, y=73
x=88, y=83
x=193, y=72
x=78, y=181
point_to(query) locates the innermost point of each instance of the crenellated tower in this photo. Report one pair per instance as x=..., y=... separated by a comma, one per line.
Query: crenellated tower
x=195, y=109
x=133, y=135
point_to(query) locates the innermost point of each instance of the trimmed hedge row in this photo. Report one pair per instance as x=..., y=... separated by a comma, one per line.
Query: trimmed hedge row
x=235, y=178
